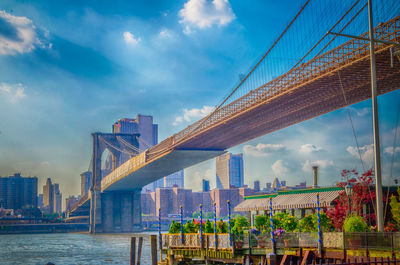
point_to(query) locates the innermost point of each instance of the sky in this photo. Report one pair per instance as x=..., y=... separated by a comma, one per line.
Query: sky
x=70, y=68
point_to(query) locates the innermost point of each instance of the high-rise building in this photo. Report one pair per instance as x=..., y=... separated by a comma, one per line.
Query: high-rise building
x=229, y=169
x=86, y=179
x=148, y=203
x=256, y=186
x=143, y=124
x=17, y=192
x=276, y=185
x=57, y=199
x=206, y=185
x=40, y=201
x=283, y=183
x=164, y=201
x=70, y=201
x=220, y=198
x=175, y=179
x=48, y=197
x=52, y=197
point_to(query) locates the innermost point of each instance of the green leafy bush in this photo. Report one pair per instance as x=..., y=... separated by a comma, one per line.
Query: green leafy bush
x=261, y=222
x=355, y=223
x=310, y=223
x=241, y=224
x=190, y=227
x=222, y=227
x=175, y=228
x=208, y=228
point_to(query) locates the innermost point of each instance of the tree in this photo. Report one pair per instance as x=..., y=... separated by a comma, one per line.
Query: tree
x=395, y=207
x=362, y=194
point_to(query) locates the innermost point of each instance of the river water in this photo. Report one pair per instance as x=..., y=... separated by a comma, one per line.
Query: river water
x=79, y=248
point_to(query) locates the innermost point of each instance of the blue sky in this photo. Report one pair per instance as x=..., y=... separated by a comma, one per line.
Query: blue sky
x=70, y=68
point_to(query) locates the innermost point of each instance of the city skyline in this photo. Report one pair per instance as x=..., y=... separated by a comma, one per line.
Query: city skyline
x=46, y=117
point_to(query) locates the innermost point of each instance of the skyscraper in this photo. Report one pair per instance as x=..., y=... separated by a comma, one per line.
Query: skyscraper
x=143, y=124
x=256, y=186
x=52, y=197
x=57, y=198
x=48, y=196
x=229, y=169
x=86, y=179
x=17, y=192
x=175, y=179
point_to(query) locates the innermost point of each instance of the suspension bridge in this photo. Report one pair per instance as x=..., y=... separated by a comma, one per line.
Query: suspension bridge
x=332, y=71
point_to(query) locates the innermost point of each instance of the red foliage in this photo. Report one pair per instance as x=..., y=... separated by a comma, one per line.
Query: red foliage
x=362, y=194
x=390, y=227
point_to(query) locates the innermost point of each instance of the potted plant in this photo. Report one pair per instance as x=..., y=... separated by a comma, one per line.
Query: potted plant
x=241, y=223
x=261, y=222
x=355, y=224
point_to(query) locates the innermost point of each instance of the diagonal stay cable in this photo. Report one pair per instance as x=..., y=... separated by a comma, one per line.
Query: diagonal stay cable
x=392, y=162
x=326, y=34
x=354, y=132
x=251, y=71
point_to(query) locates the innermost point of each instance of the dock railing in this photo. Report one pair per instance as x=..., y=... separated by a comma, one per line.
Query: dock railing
x=330, y=240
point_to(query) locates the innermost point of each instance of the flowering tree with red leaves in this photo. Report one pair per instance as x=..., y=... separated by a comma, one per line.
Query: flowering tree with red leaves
x=362, y=195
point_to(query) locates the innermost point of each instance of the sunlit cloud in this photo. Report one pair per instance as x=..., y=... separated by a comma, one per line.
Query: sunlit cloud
x=204, y=14
x=12, y=92
x=17, y=34
x=307, y=166
x=262, y=150
x=366, y=151
x=190, y=115
x=310, y=148
x=129, y=38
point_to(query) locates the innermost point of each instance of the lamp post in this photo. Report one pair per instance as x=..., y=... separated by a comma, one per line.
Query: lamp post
x=349, y=193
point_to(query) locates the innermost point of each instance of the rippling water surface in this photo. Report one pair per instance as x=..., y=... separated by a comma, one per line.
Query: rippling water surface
x=69, y=249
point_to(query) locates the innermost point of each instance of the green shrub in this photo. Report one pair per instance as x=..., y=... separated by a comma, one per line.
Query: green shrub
x=175, y=228
x=222, y=227
x=310, y=223
x=190, y=227
x=355, y=223
x=241, y=224
x=208, y=228
x=261, y=222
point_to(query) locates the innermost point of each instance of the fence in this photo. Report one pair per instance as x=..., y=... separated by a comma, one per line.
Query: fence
x=332, y=240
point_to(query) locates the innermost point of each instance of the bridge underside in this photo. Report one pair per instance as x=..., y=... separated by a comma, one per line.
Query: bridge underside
x=165, y=165
x=299, y=103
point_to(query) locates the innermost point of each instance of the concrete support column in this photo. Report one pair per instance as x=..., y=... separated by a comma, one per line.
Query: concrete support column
x=127, y=212
x=137, y=209
x=117, y=197
x=108, y=212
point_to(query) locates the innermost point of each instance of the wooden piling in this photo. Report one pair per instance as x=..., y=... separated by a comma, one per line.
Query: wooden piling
x=153, y=246
x=133, y=250
x=139, y=254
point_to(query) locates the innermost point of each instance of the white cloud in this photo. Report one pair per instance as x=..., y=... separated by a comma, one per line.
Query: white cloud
x=309, y=148
x=280, y=168
x=204, y=14
x=367, y=153
x=165, y=34
x=12, y=92
x=17, y=34
x=129, y=38
x=193, y=114
x=261, y=150
x=389, y=150
x=307, y=166
x=359, y=112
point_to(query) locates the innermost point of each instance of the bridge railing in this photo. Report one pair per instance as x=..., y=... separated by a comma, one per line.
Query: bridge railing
x=326, y=62
x=193, y=241
x=124, y=169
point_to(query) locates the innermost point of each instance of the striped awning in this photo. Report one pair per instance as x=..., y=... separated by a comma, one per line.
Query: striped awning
x=289, y=201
